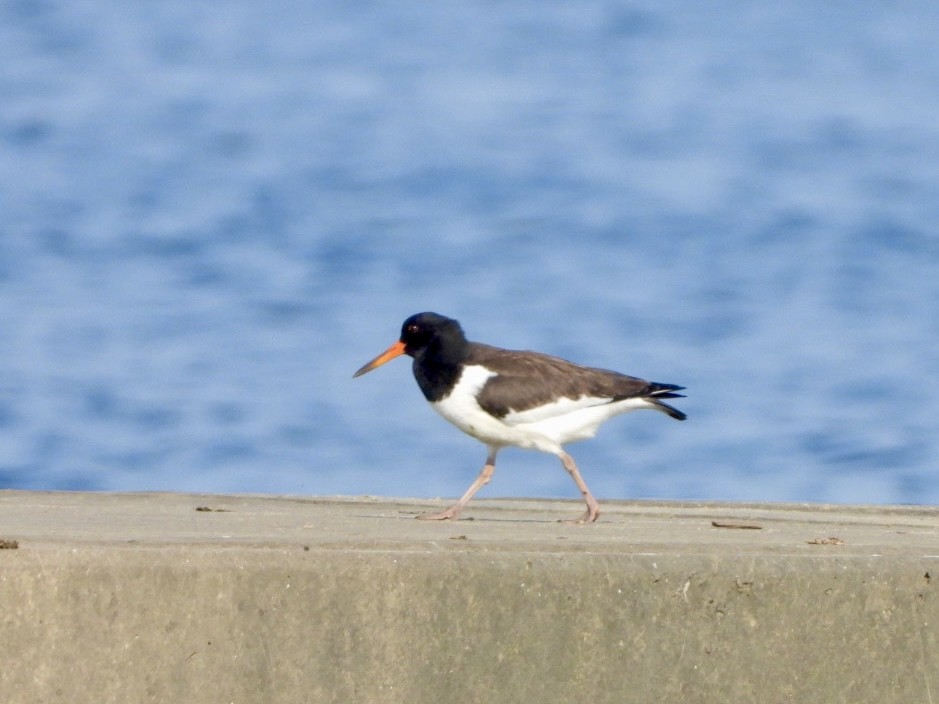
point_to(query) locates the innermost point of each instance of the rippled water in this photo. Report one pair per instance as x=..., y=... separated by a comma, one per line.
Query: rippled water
x=210, y=219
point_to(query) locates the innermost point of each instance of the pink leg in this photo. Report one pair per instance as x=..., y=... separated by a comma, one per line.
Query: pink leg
x=593, y=508
x=481, y=481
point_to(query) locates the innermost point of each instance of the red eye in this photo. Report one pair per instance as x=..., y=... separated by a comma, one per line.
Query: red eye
x=413, y=329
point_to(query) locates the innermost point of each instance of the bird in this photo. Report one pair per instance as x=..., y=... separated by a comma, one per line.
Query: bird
x=516, y=398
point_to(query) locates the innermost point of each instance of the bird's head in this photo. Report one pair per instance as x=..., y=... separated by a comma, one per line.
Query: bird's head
x=419, y=333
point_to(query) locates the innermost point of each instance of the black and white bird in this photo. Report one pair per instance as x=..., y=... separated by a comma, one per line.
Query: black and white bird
x=516, y=398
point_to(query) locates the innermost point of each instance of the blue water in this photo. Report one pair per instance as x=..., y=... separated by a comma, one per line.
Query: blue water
x=212, y=215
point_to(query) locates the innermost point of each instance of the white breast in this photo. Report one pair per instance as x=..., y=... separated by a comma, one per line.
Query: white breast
x=461, y=408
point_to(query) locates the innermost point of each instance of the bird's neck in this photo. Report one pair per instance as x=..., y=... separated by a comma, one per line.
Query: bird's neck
x=438, y=367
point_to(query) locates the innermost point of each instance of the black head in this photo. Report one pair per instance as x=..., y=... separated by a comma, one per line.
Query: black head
x=424, y=330
x=425, y=336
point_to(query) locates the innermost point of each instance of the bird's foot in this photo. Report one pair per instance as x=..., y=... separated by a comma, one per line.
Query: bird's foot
x=445, y=515
x=590, y=516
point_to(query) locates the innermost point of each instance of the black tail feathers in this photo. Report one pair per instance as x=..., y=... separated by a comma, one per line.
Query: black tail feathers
x=659, y=391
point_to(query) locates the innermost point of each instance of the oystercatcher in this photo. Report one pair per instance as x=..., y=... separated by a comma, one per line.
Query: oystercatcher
x=507, y=397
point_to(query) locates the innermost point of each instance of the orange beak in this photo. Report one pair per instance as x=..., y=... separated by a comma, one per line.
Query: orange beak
x=396, y=350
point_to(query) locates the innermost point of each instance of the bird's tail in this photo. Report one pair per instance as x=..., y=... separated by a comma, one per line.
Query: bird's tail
x=659, y=391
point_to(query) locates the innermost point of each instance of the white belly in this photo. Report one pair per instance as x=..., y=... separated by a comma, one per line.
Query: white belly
x=546, y=428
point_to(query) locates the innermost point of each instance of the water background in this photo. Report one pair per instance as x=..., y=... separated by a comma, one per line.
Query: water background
x=211, y=215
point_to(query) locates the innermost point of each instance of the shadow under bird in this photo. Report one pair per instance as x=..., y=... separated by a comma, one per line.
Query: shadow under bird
x=516, y=398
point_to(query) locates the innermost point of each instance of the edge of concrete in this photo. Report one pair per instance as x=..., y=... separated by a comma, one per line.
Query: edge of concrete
x=208, y=598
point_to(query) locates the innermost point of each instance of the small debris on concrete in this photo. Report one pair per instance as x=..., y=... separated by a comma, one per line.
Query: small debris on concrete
x=739, y=526
x=825, y=541
x=6, y=544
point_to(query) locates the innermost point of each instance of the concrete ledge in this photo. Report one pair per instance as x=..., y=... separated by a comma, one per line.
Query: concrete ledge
x=142, y=598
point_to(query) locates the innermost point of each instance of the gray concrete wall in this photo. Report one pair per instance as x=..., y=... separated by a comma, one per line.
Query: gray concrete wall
x=142, y=598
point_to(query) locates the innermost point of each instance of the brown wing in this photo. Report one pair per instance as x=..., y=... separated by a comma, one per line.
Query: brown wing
x=525, y=380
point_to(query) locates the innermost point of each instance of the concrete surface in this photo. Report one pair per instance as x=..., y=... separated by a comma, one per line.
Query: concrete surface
x=142, y=598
